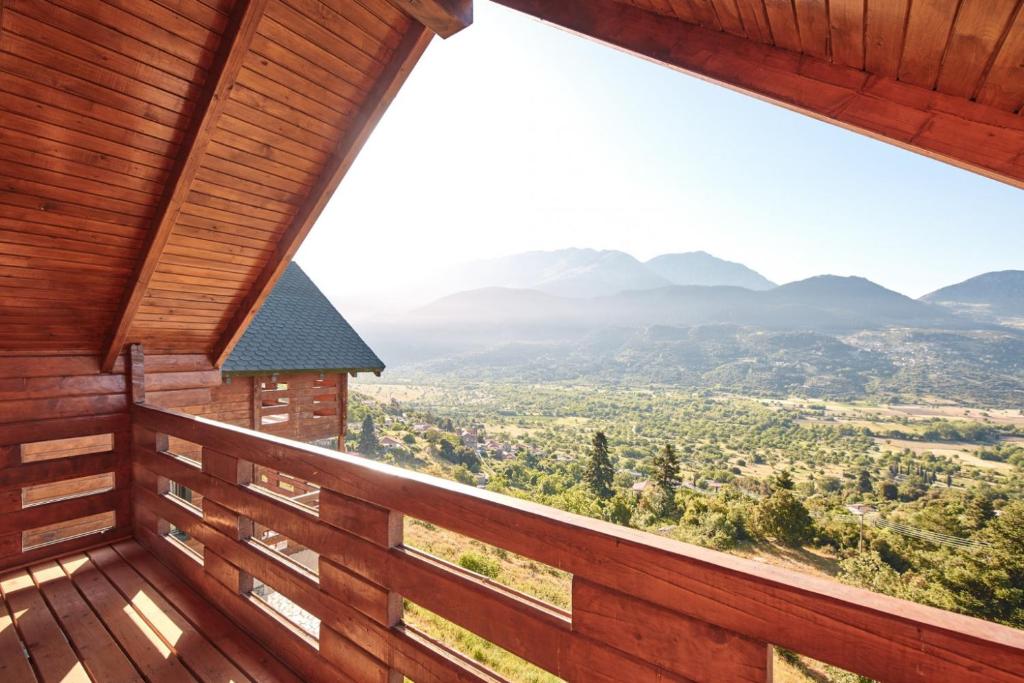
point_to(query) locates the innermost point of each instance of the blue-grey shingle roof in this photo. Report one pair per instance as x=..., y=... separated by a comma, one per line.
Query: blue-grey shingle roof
x=297, y=328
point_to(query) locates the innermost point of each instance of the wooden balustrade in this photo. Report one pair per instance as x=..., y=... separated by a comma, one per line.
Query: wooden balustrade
x=643, y=607
x=62, y=494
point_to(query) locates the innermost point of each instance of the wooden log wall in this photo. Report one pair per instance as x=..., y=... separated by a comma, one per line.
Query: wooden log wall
x=643, y=607
x=65, y=445
x=300, y=406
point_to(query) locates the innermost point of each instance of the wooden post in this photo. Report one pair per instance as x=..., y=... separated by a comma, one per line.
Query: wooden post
x=257, y=402
x=383, y=528
x=136, y=369
x=237, y=472
x=342, y=409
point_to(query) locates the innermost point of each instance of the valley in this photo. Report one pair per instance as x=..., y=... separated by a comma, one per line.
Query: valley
x=829, y=425
x=769, y=479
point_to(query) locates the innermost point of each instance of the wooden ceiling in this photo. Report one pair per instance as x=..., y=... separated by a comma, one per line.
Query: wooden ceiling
x=944, y=78
x=967, y=48
x=162, y=160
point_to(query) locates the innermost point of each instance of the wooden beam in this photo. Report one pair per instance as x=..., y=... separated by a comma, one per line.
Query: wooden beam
x=443, y=17
x=945, y=127
x=136, y=369
x=234, y=45
x=405, y=57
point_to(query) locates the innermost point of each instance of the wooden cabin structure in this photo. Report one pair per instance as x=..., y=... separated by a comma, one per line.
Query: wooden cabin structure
x=160, y=163
x=288, y=374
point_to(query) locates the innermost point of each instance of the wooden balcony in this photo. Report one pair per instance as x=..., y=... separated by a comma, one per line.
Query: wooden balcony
x=160, y=164
x=643, y=608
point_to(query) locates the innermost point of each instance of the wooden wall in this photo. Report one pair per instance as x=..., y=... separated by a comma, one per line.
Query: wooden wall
x=65, y=441
x=299, y=406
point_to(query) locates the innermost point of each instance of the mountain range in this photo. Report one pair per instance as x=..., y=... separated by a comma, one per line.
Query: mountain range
x=991, y=296
x=583, y=273
x=695, y=320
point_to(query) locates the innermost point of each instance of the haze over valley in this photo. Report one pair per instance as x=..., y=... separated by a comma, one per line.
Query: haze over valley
x=693, y=320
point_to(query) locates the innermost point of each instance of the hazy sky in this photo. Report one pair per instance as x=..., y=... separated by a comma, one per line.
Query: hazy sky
x=514, y=136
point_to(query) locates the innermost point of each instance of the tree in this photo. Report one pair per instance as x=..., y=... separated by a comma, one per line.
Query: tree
x=888, y=490
x=620, y=508
x=446, y=450
x=783, y=480
x=864, y=483
x=784, y=518
x=666, y=472
x=600, y=473
x=978, y=510
x=666, y=468
x=368, y=444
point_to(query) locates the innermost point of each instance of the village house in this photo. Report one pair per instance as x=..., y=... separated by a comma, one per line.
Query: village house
x=389, y=444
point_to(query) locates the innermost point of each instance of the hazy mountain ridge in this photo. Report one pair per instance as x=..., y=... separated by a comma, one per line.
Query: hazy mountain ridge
x=824, y=303
x=586, y=273
x=825, y=336
x=990, y=296
x=701, y=268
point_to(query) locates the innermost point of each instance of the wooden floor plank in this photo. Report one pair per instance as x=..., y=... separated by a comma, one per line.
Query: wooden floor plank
x=147, y=650
x=245, y=652
x=100, y=654
x=14, y=665
x=195, y=650
x=51, y=655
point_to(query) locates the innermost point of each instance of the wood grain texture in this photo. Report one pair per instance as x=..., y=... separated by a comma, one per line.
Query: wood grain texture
x=979, y=29
x=443, y=17
x=414, y=42
x=922, y=48
x=231, y=53
x=1004, y=83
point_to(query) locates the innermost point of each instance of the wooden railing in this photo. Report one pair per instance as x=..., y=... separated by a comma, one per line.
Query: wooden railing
x=643, y=608
x=63, y=487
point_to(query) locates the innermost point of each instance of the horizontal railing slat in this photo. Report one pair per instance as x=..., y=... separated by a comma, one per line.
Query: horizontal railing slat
x=59, y=469
x=60, y=511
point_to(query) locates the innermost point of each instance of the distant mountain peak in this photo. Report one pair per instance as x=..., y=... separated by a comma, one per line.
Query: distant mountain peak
x=999, y=294
x=703, y=269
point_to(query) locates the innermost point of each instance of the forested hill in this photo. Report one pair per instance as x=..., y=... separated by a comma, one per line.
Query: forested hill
x=991, y=296
x=828, y=336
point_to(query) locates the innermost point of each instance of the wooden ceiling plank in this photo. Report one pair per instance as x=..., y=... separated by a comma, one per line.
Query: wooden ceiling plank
x=443, y=17
x=729, y=16
x=755, y=21
x=405, y=58
x=951, y=129
x=1004, y=84
x=924, y=45
x=707, y=16
x=846, y=30
x=977, y=33
x=812, y=20
x=884, y=32
x=228, y=62
x=782, y=19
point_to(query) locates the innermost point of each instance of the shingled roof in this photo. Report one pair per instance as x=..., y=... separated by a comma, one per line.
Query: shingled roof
x=298, y=329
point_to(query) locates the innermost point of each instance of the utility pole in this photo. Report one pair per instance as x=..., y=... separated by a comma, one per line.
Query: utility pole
x=861, y=510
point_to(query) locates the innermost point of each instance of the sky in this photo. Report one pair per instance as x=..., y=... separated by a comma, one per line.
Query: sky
x=515, y=136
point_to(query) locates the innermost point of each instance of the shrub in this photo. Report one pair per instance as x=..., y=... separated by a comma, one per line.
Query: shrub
x=480, y=564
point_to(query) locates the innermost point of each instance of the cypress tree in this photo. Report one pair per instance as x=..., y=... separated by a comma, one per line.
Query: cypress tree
x=666, y=476
x=368, y=444
x=599, y=471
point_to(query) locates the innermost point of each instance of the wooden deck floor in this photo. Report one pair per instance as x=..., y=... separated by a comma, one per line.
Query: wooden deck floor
x=118, y=614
